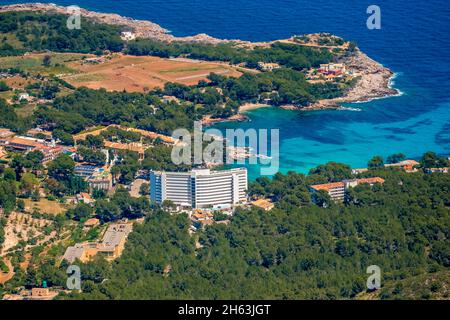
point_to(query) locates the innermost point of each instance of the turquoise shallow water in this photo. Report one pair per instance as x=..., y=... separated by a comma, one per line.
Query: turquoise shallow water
x=413, y=41
x=308, y=139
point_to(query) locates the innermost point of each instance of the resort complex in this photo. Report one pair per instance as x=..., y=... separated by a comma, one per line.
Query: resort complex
x=199, y=188
x=111, y=246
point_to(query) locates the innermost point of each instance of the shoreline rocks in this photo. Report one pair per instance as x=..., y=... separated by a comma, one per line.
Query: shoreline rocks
x=374, y=83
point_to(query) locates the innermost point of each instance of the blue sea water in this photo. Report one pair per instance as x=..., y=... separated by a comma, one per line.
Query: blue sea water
x=414, y=41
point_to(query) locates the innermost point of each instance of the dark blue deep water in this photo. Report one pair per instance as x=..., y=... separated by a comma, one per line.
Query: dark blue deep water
x=413, y=42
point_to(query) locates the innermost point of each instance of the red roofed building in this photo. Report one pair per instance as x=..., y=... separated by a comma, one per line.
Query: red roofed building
x=407, y=165
x=337, y=190
x=50, y=153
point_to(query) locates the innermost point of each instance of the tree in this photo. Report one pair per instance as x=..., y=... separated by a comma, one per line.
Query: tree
x=4, y=87
x=20, y=205
x=168, y=205
x=94, y=142
x=35, y=195
x=64, y=137
x=376, y=162
x=35, y=159
x=395, y=158
x=9, y=174
x=333, y=171
x=322, y=198
x=29, y=184
x=56, y=188
x=144, y=190
x=302, y=252
x=81, y=212
x=99, y=194
x=431, y=160
x=107, y=211
x=7, y=195
x=47, y=61
x=61, y=168
x=92, y=156
x=18, y=163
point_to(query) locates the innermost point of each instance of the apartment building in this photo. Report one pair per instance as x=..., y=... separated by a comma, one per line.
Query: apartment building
x=86, y=170
x=111, y=246
x=437, y=170
x=337, y=190
x=200, y=188
x=28, y=144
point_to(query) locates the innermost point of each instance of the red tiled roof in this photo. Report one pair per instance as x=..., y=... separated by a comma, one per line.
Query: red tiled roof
x=328, y=186
x=371, y=180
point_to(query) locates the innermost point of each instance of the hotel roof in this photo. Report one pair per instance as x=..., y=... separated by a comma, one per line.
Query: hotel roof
x=136, y=147
x=4, y=133
x=328, y=186
x=371, y=180
x=264, y=204
x=403, y=163
x=202, y=215
x=114, y=235
x=73, y=253
x=30, y=142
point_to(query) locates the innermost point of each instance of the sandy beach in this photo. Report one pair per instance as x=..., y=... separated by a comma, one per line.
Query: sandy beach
x=208, y=121
x=252, y=106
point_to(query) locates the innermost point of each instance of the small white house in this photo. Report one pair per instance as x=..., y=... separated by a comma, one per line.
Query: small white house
x=24, y=96
x=128, y=36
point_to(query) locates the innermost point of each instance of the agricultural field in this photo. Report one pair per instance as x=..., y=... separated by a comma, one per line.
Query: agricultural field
x=44, y=206
x=139, y=74
x=34, y=63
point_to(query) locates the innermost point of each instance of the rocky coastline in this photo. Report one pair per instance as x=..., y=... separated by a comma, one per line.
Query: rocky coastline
x=374, y=80
x=374, y=83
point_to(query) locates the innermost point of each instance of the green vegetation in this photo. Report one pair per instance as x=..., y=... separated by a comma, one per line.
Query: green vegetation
x=121, y=205
x=297, y=251
x=221, y=97
x=4, y=87
x=33, y=31
x=61, y=179
x=159, y=158
x=288, y=55
x=10, y=119
x=430, y=286
x=85, y=107
x=395, y=158
x=432, y=160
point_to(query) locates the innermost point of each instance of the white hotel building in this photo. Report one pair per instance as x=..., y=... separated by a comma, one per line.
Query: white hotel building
x=200, y=188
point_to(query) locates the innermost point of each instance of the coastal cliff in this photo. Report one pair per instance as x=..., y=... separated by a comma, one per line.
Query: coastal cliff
x=374, y=82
